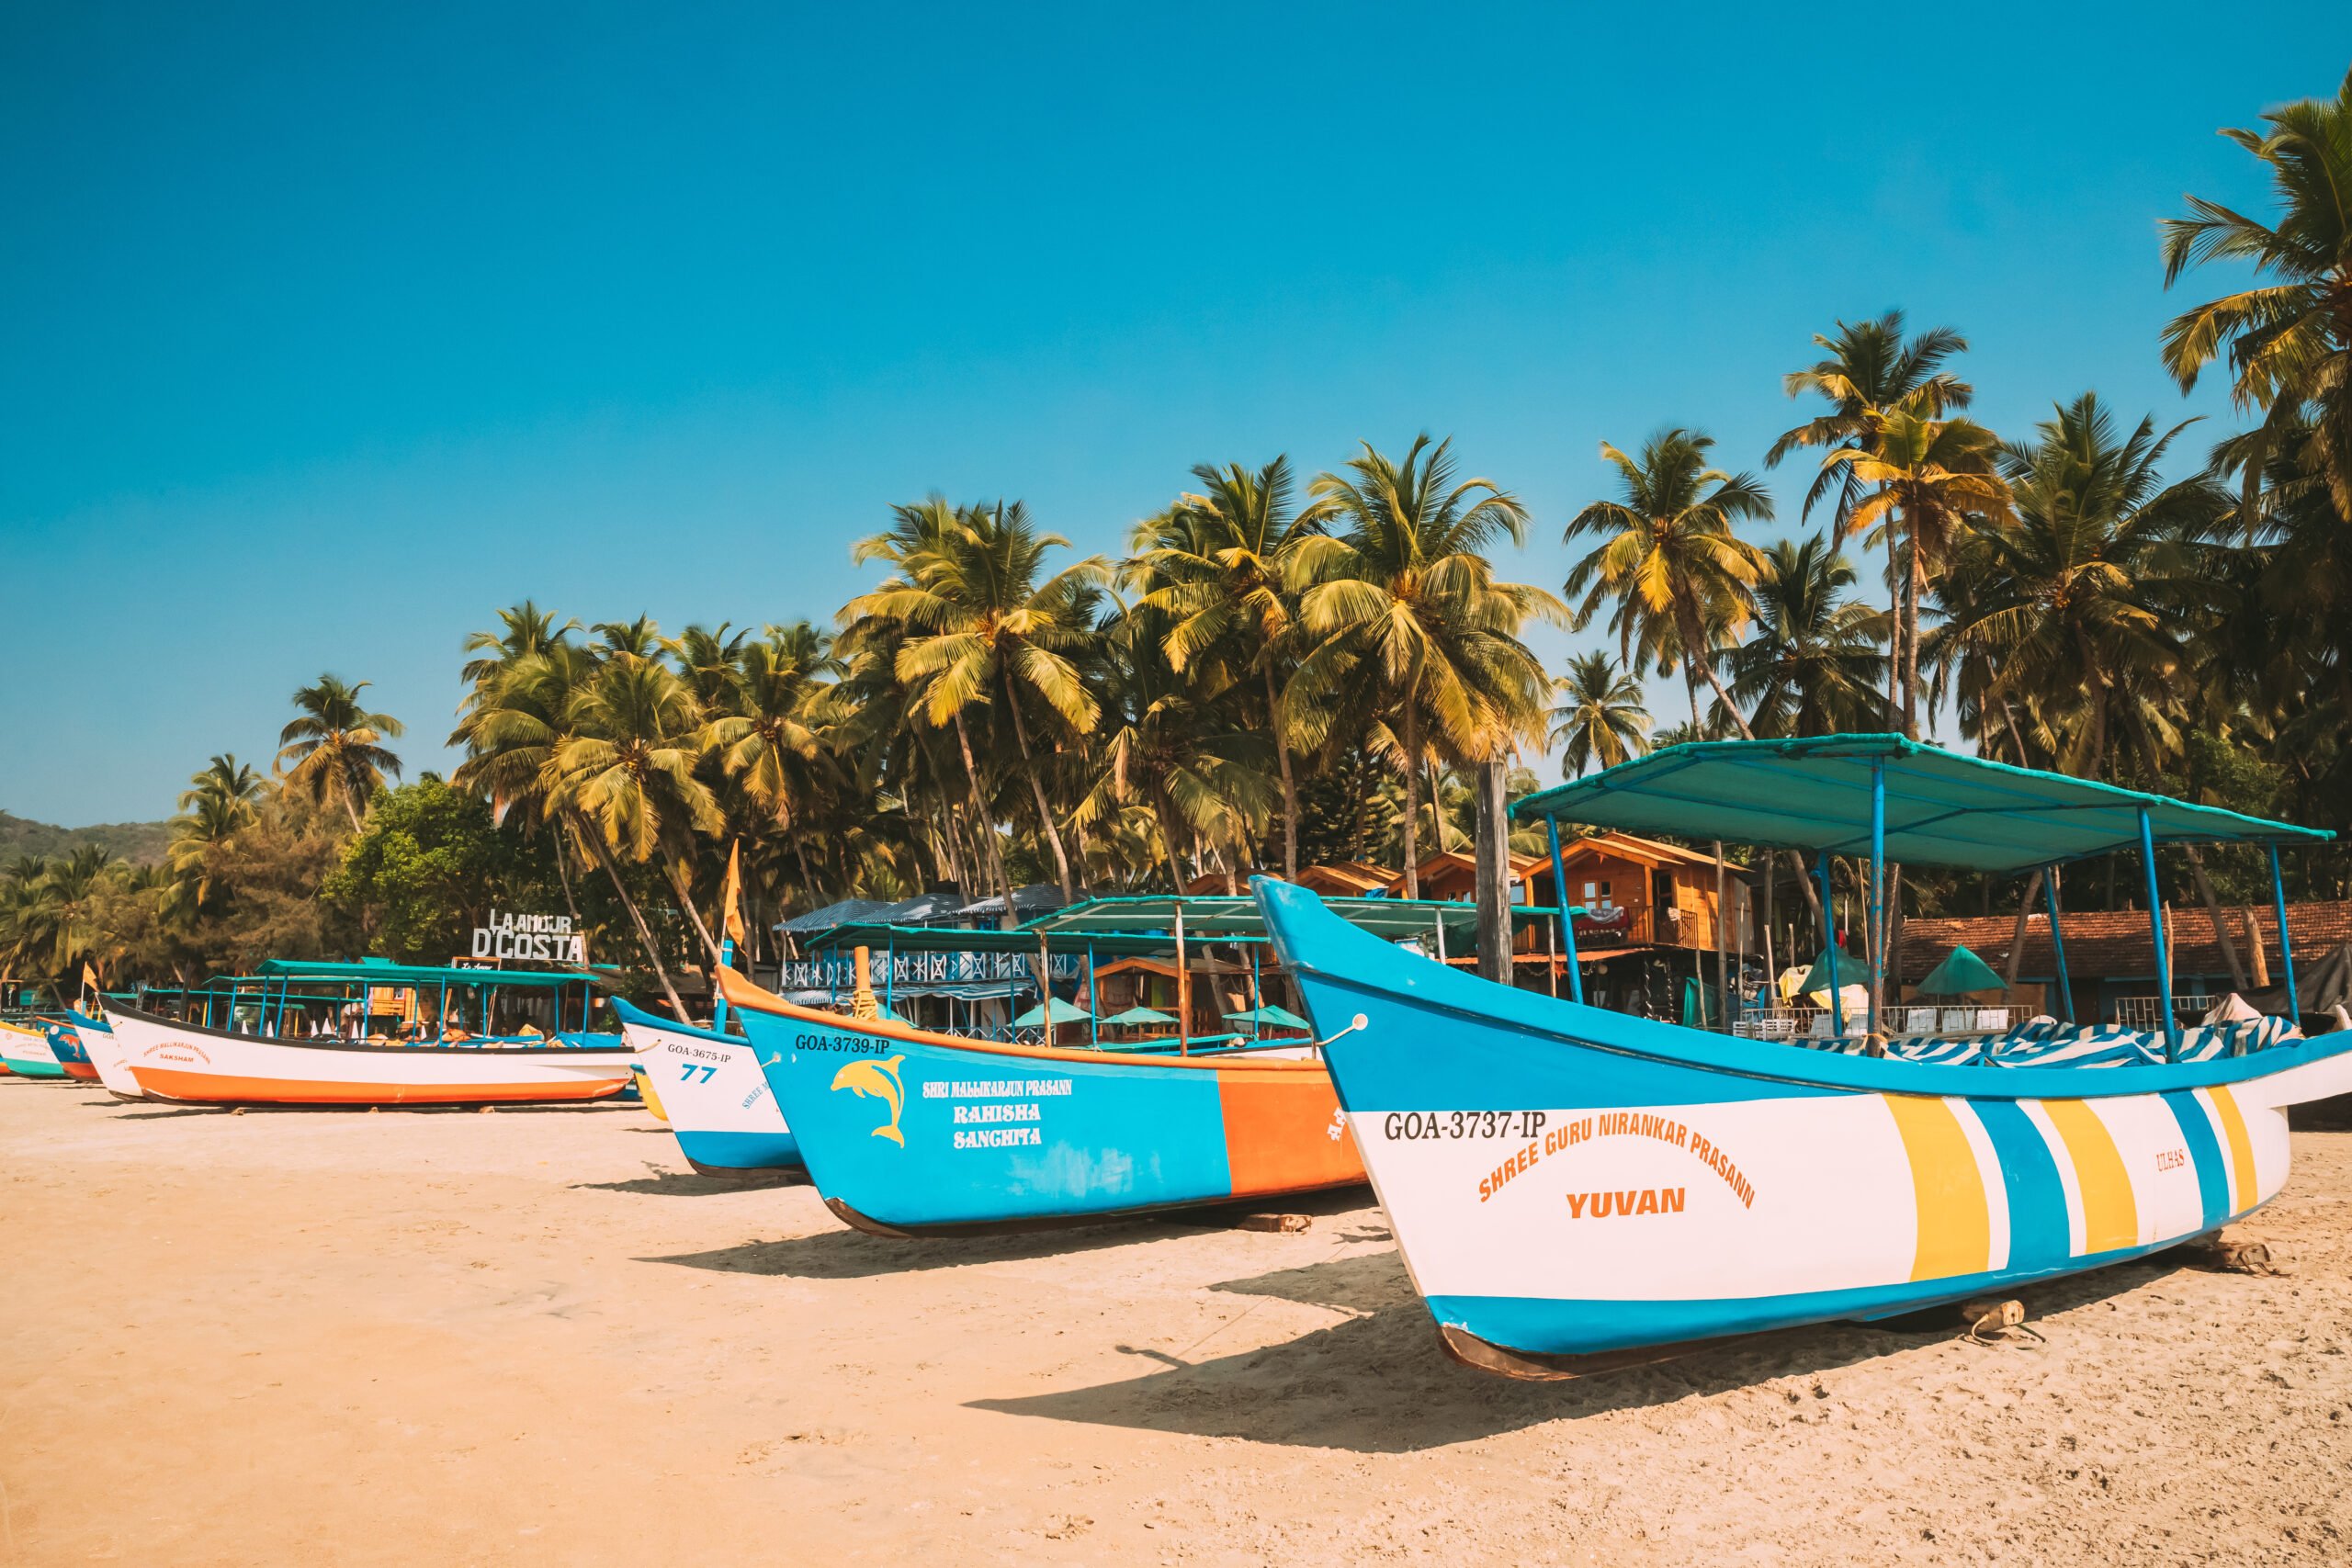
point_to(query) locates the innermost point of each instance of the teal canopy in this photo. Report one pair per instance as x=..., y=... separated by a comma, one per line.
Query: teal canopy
x=1060, y=1010
x=1943, y=808
x=1136, y=1018
x=1959, y=973
x=380, y=972
x=1152, y=917
x=1280, y=1018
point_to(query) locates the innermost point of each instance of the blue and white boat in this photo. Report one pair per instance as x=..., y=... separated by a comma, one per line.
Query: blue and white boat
x=713, y=1095
x=1574, y=1189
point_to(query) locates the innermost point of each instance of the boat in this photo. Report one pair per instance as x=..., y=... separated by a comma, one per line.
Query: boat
x=27, y=1052
x=1575, y=1188
x=104, y=1052
x=906, y=1132
x=376, y=1033
x=708, y=1086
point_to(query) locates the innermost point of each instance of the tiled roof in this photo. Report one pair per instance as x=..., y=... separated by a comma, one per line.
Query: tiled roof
x=2103, y=943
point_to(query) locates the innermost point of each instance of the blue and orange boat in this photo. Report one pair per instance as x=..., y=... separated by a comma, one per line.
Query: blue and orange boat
x=909, y=1131
x=1575, y=1188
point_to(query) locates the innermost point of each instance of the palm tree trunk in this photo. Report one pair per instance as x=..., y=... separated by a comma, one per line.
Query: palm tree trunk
x=1412, y=738
x=983, y=828
x=1037, y=790
x=686, y=903
x=1290, y=781
x=644, y=933
x=1914, y=579
x=564, y=874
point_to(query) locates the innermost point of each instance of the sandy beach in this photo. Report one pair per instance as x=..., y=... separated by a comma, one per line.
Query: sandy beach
x=536, y=1337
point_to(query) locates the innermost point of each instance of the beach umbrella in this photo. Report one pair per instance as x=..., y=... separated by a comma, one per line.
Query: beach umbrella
x=1280, y=1018
x=1850, y=969
x=1959, y=973
x=1060, y=1010
x=1134, y=1018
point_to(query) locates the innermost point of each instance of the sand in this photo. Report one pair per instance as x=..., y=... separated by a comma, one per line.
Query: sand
x=535, y=1337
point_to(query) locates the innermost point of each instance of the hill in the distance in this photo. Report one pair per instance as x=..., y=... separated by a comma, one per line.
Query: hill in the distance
x=143, y=843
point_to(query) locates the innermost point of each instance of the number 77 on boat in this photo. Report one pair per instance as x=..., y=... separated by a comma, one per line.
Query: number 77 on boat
x=1574, y=1188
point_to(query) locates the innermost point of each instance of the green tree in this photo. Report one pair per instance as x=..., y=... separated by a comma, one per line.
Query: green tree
x=1671, y=559
x=983, y=624
x=1215, y=562
x=1817, y=662
x=2289, y=341
x=1398, y=594
x=426, y=870
x=1603, y=718
x=336, y=746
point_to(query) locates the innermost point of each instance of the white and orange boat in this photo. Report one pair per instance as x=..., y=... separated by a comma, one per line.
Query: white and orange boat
x=375, y=1033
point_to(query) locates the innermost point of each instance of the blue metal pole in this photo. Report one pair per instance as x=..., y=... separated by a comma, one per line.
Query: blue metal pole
x=2057, y=942
x=726, y=961
x=2157, y=930
x=2286, y=943
x=1829, y=924
x=1878, y=893
x=1093, y=1001
x=891, y=973
x=1567, y=916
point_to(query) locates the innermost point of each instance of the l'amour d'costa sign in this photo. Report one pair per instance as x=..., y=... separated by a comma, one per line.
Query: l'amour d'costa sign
x=545, y=938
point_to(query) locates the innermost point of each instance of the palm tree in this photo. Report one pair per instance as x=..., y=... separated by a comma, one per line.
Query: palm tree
x=2072, y=614
x=1404, y=599
x=1669, y=557
x=1817, y=664
x=982, y=628
x=1930, y=476
x=771, y=730
x=1870, y=369
x=1602, y=718
x=335, y=745
x=514, y=726
x=528, y=630
x=626, y=770
x=1216, y=562
x=221, y=802
x=2288, y=342
x=57, y=926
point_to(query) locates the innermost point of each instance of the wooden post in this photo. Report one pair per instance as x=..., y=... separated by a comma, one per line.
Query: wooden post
x=1183, y=988
x=1491, y=847
x=1723, y=975
x=861, y=1003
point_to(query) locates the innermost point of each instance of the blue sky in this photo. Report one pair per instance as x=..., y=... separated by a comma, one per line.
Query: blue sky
x=327, y=334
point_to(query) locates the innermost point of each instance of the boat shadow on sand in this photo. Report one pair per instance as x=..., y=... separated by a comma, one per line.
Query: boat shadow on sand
x=840, y=1253
x=1377, y=1382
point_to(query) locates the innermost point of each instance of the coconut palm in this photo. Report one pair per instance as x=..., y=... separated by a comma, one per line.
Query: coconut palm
x=2289, y=341
x=1871, y=368
x=1602, y=718
x=1670, y=558
x=1930, y=476
x=336, y=746
x=527, y=630
x=626, y=769
x=771, y=730
x=1399, y=597
x=513, y=726
x=1216, y=561
x=984, y=626
x=1816, y=663
x=221, y=802
x=2074, y=612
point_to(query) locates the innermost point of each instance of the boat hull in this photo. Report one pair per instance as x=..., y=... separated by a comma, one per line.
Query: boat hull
x=1565, y=1182
x=29, y=1053
x=106, y=1056
x=181, y=1062
x=718, y=1102
x=907, y=1133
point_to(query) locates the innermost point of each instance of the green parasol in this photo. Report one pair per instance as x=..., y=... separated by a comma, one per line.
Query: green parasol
x=1136, y=1017
x=1060, y=1010
x=1961, y=972
x=1280, y=1018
